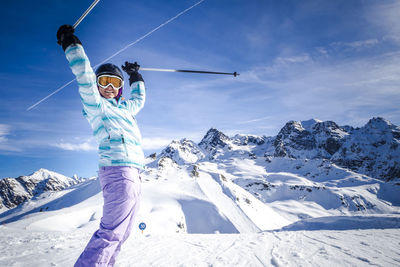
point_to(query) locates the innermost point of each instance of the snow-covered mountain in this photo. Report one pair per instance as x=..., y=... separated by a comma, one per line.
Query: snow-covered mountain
x=313, y=176
x=372, y=150
x=14, y=191
x=301, y=164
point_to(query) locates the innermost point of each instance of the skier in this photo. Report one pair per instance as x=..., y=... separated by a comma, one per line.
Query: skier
x=121, y=157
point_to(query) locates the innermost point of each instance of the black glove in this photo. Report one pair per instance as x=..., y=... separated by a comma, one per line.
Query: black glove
x=66, y=37
x=132, y=70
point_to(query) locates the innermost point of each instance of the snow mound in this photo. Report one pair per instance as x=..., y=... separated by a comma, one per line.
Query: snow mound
x=346, y=223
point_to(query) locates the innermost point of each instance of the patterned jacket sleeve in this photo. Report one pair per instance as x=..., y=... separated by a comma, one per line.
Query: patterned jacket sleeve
x=86, y=78
x=138, y=97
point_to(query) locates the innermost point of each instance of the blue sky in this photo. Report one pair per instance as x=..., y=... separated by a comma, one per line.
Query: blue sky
x=330, y=60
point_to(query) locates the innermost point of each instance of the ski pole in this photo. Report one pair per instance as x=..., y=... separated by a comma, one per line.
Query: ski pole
x=121, y=50
x=191, y=71
x=85, y=14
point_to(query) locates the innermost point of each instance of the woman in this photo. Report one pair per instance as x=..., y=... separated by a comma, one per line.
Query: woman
x=121, y=156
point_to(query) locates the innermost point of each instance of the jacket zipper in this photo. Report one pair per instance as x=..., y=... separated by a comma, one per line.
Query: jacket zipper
x=123, y=141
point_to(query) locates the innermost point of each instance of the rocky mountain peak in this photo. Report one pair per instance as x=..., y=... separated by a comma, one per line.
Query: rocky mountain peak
x=311, y=139
x=326, y=126
x=379, y=128
x=213, y=139
x=42, y=174
x=379, y=123
x=183, y=151
x=246, y=139
x=309, y=124
x=291, y=127
x=293, y=137
x=14, y=191
x=373, y=149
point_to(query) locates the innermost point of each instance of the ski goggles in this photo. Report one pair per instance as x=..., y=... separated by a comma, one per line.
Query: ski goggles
x=105, y=80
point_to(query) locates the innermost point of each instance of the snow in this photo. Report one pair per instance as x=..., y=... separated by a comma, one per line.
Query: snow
x=386, y=221
x=309, y=124
x=226, y=206
x=223, y=203
x=207, y=220
x=277, y=248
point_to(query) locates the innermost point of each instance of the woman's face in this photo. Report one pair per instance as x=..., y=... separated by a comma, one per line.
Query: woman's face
x=108, y=92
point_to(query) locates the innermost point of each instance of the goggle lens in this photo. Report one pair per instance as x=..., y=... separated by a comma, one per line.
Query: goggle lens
x=105, y=80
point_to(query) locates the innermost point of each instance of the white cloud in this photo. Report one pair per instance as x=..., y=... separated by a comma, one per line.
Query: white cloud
x=155, y=143
x=385, y=14
x=255, y=120
x=5, y=144
x=356, y=44
x=4, y=131
x=322, y=50
x=339, y=90
x=294, y=59
x=85, y=146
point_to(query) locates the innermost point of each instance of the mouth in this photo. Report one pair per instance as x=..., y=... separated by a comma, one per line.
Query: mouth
x=108, y=93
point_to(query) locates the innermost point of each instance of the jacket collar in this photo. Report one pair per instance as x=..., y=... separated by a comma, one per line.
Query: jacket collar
x=114, y=101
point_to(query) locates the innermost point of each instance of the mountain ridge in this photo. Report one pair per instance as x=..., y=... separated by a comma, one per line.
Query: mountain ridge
x=320, y=147
x=378, y=155
x=15, y=191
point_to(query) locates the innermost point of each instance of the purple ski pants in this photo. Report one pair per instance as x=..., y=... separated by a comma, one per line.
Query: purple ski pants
x=121, y=192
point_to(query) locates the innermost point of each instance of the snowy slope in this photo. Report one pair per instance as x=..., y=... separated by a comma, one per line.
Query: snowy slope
x=280, y=248
x=56, y=236
x=240, y=204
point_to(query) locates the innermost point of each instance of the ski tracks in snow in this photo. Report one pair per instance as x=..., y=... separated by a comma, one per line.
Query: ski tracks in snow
x=196, y=250
x=272, y=248
x=336, y=248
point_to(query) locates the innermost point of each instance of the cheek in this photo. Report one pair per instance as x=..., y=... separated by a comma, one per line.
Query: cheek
x=101, y=91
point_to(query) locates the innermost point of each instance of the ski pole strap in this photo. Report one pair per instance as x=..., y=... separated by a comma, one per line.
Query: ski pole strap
x=85, y=14
x=191, y=71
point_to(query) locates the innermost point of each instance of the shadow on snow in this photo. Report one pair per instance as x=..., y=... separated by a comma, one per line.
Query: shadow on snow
x=203, y=217
x=345, y=223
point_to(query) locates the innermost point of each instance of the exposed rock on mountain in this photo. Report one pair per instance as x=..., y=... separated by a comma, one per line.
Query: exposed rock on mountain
x=243, y=140
x=312, y=149
x=373, y=150
x=213, y=140
x=329, y=137
x=292, y=139
x=309, y=140
x=183, y=151
x=14, y=191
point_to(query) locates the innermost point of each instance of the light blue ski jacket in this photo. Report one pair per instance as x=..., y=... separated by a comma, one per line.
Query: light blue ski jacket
x=113, y=123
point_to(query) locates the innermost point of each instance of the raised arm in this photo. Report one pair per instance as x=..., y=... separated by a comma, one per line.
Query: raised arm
x=138, y=90
x=80, y=66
